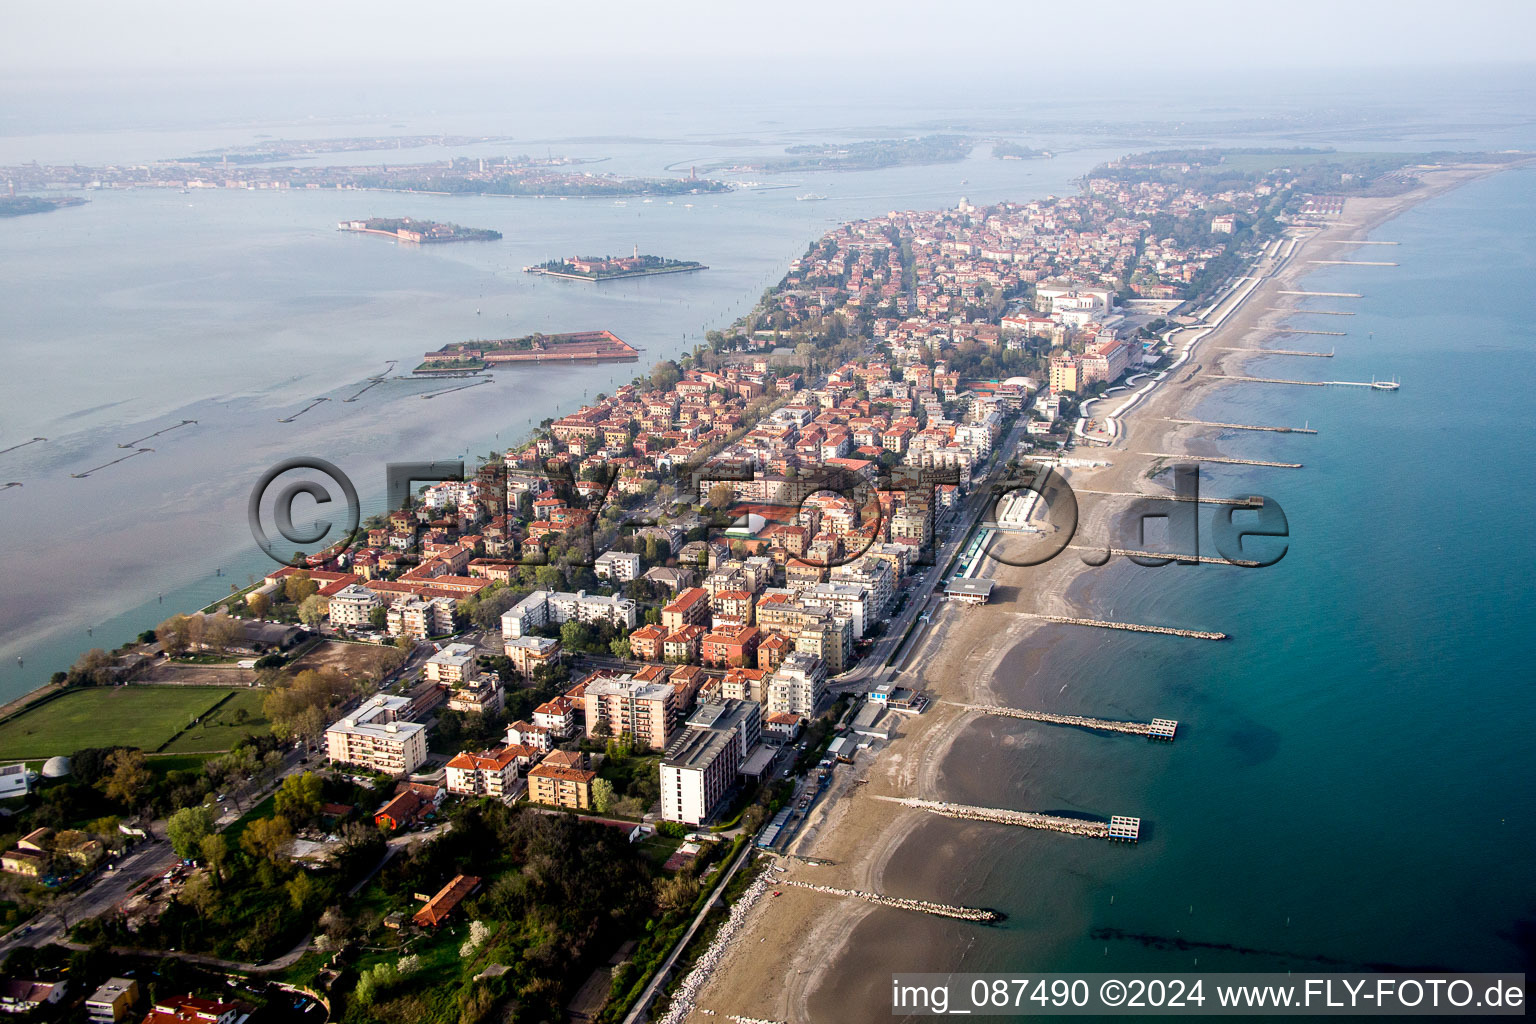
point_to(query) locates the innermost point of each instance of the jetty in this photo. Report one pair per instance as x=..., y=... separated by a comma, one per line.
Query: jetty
x=1118, y=827
x=1278, y=351
x=1356, y=241
x=1354, y=263
x=301, y=412
x=1297, y=330
x=146, y=437
x=461, y=387
x=1169, y=555
x=1330, y=295
x=1134, y=627
x=1379, y=385
x=1318, y=312
x=1158, y=728
x=980, y=914
x=1252, y=501
x=104, y=465
x=1243, y=426
x=23, y=444
x=1226, y=460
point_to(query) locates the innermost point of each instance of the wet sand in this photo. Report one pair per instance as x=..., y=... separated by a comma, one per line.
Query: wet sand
x=795, y=960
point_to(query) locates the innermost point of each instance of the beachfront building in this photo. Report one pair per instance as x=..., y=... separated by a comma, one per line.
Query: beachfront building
x=701, y=764
x=797, y=685
x=377, y=736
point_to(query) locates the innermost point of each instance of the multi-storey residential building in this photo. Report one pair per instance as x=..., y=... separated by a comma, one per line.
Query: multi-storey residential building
x=546, y=607
x=558, y=716
x=912, y=525
x=481, y=695
x=530, y=734
x=624, y=706
x=1066, y=374
x=353, y=606
x=829, y=638
x=560, y=786
x=375, y=736
x=112, y=1001
x=529, y=652
x=700, y=765
x=618, y=566
x=690, y=607
x=488, y=773
x=797, y=685
x=732, y=608
x=730, y=646
x=745, y=684
x=418, y=618
x=850, y=599
x=877, y=575
x=682, y=645
x=452, y=665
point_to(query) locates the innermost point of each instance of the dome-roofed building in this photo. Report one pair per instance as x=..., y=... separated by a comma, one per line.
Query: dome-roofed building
x=56, y=767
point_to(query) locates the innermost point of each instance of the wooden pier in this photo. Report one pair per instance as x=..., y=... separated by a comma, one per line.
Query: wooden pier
x=1225, y=459
x=1244, y=426
x=1134, y=627
x=1130, y=828
x=1278, y=351
x=1158, y=728
x=1330, y=295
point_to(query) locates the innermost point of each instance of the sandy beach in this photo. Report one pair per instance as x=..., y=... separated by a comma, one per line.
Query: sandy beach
x=792, y=961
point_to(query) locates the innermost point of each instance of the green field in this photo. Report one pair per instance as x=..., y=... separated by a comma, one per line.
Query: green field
x=132, y=716
x=224, y=728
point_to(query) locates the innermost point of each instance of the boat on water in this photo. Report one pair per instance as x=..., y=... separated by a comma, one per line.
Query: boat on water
x=811, y=197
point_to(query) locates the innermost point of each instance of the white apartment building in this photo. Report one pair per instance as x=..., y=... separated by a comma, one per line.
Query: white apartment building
x=701, y=764
x=618, y=566
x=546, y=607
x=374, y=736
x=353, y=605
x=797, y=685
x=850, y=599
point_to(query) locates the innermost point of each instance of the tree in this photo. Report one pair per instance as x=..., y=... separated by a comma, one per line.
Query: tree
x=187, y=828
x=214, y=850
x=665, y=375
x=221, y=631
x=602, y=796
x=304, y=892
x=174, y=634
x=128, y=777
x=298, y=586
x=298, y=798
x=258, y=605
x=619, y=645
x=379, y=617
x=267, y=838
x=200, y=894
x=313, y=609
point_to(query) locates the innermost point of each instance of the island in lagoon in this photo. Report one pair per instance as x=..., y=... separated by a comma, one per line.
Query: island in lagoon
x=20, y=206
x=407, y=229
x=608, y=268
x=582, y=346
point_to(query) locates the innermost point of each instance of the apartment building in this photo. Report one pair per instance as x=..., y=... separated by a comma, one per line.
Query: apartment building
x=353, y=606
x=557, y=785
x=797, y=685
x=701, y=764
x=554, y=607
x=452, y=665
x=617, y=566
x=527, y=653
x=620, y=705
x=488, y=773
x=377, y=736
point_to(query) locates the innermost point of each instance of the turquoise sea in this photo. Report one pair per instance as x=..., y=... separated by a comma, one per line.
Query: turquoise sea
x=1352, y=781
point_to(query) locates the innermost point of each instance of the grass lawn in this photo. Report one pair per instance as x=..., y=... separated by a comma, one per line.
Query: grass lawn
x=134, y=716
x=220, y=730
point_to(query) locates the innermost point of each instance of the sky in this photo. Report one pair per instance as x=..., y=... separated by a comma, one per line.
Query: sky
x=90, y=38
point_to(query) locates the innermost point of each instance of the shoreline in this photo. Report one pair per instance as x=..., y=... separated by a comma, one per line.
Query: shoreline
x=768, y=974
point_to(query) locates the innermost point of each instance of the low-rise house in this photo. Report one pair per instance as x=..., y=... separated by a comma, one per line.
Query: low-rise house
x=400, y=811
x=190, y=1009
x=446, y=901
x=21, y=995
x=112, y=1001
